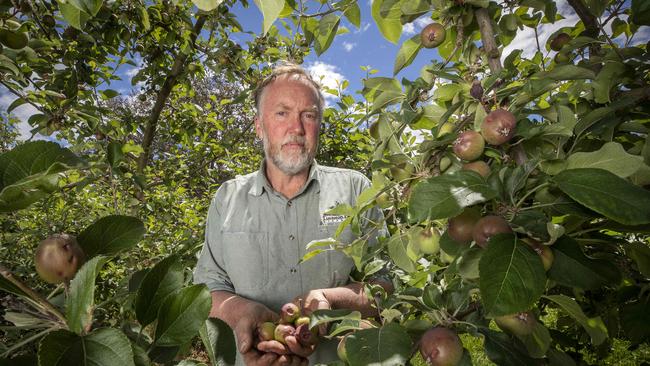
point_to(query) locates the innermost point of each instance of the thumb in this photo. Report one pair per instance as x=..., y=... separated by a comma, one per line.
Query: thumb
x=244, y=338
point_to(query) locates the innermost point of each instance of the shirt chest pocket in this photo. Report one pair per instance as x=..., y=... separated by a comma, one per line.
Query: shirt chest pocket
x=246, y=258
x=329, y=231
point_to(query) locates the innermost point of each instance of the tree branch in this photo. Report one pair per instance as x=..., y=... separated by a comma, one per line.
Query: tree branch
x=170, y=81
x=489, y=42
x=588, y=19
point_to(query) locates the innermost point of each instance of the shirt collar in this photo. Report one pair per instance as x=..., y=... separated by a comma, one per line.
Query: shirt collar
x=261, y=183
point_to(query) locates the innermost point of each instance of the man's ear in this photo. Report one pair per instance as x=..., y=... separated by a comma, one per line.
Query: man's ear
x=258, y=127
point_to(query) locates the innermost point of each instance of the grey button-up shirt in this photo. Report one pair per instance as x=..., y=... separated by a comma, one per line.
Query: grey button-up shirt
x=255, y=238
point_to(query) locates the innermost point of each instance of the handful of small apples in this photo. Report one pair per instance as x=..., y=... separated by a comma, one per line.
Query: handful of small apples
x=291, y=324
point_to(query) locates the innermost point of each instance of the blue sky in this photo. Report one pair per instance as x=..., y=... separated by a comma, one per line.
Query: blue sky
x=360, y=47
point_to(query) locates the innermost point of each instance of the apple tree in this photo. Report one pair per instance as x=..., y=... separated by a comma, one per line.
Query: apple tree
x=514, y=186
x=524, y=201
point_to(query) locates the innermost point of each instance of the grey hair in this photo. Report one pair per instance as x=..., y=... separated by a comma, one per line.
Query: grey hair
x=296, y=72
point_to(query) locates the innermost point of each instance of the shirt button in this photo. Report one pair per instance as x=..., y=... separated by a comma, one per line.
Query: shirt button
x=293, y=270
x=291, y=237
x=289, y=203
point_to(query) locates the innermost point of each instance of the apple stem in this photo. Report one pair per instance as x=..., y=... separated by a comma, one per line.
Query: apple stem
x=32, y=295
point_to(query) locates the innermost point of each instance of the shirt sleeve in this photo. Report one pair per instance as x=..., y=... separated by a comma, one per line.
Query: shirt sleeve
x=210, y=268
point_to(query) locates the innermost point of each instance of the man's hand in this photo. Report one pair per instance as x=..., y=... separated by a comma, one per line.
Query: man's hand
x=263, y=358
x=313, y=300
x=251, y=317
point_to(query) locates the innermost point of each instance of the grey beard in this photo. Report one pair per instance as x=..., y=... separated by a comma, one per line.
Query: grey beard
x=287, y=167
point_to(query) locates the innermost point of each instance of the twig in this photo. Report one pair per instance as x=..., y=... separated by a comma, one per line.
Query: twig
x=33, y=295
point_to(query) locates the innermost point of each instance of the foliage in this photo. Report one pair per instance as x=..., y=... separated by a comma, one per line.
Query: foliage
x=133, y=175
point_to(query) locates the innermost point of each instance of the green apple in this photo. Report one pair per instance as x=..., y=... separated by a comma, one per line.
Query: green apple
x=58, y=258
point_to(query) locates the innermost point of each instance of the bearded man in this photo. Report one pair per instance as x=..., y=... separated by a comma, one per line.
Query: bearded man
x=259, y=224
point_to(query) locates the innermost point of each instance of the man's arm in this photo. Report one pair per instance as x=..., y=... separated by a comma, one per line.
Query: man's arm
x=351, y=296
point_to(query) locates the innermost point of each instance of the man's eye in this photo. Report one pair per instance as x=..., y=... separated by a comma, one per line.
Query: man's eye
x=281, y=113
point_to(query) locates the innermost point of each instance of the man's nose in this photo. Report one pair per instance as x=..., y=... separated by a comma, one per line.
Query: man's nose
x=296, y=124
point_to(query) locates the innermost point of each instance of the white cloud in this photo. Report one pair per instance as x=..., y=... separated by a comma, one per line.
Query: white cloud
x=348, y=46
x=327, y=74
x=525, y=39
x=408, y=29
x=416, y=26
x=423, y=21
x=22, y=112
x=364, y=27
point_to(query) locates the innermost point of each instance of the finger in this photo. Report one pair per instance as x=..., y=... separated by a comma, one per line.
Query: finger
x=273, y=346
x=294, y=361
x=283, y=360
x=267, y=359
x=245, y=339
x=298, y=349
x=254, y=357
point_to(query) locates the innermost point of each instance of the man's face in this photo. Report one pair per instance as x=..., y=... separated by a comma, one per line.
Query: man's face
x=288, y=123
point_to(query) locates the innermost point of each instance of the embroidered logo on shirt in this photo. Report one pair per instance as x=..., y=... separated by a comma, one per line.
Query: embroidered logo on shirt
x=329, y=219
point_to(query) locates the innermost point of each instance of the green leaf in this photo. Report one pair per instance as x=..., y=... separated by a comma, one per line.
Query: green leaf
x=407, y=53
x=388, y=345
x=640, y=12
x=16, y=103
x=324, y=316
x=110, y=235
x=144, y=17
x=182, y=314
x=607, y=194
x=162, y=280
x=353, y=14
x=611, y=157
x=571, y=267
x=594, y=326
x=608, y=76
x=219, y=341
x=397, y=252
x=566, y=72
x=640, y=253
x=326, y=32
x=446, y=195
x=386, y=14
x=468, y=261
x=538, y=342
x=79, y=305
x=207, y=5
x=596, y=7
x=635, y=320
x=109, y=93
x=6, y=285
x=270, y=9
x=512, y=276
x=90, y=7
x=140, y=357
x=104, y=346
x=500, y=349
x=591, y=118
x=75, y=17
x=114, y=153
x=31, y=171
x=382, y=92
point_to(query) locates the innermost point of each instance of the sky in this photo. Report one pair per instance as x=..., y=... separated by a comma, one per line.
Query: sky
x=363, y=46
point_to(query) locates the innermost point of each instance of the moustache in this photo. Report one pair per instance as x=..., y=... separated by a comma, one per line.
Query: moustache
x=294, y=140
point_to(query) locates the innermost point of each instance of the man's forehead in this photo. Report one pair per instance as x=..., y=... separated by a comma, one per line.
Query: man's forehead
x=285, y=98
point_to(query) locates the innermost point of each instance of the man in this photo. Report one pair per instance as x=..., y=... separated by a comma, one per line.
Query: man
x=258, y=226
